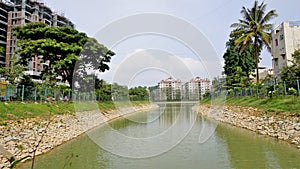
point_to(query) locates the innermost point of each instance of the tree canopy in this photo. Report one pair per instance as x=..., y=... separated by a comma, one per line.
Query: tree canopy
x=60, y=48
x=236, y=61
x=292, y=72
x=139, y=93
x=254, y=29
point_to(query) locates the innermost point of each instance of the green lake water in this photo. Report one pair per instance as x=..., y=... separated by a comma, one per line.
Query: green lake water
x=171, y=137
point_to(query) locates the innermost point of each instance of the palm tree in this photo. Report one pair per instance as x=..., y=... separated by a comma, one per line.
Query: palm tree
x=254, y=30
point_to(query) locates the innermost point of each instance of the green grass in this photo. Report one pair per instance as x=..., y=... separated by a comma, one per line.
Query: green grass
x=17, y=110
x=277, y=104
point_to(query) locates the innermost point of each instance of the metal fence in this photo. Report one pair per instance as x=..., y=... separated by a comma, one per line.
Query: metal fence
x=268, y=88
x=42, y=93
x=10, y=92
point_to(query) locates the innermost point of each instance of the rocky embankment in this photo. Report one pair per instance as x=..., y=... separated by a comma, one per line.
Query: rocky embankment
x=20, y=138
x=284, y=126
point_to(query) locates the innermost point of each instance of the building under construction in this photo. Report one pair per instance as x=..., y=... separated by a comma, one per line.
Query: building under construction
x=18, y=13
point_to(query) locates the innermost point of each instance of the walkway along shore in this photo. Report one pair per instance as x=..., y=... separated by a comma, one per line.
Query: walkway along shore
x=284, y=126
x=19, y=137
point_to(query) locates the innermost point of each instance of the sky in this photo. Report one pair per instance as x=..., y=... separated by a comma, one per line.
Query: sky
x=157, y=39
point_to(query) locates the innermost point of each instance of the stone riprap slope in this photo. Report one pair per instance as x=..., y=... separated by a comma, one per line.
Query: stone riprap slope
x=19, y=137
x=284, y=126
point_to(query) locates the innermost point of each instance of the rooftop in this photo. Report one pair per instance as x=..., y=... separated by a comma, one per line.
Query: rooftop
x=294, y=23
x=170, y=80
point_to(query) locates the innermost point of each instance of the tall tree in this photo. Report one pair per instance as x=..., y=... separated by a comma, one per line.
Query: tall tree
x=254, y=29
x=233, y=59
x=92, y=59
x=60, y=48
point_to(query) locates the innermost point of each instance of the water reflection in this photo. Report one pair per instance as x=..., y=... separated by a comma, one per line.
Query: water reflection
x=246, y=149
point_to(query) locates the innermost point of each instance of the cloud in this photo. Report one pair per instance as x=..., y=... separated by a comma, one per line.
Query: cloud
x=148, y=67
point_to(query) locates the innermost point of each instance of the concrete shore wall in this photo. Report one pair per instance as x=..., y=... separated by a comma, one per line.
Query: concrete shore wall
x=19, y=137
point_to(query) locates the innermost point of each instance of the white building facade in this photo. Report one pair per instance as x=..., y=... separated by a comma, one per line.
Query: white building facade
x=170, y=89
x=285, y=40
x=196, y=88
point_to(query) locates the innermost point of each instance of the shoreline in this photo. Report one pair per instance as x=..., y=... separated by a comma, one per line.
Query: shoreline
x=283, y=126
x=19, y=137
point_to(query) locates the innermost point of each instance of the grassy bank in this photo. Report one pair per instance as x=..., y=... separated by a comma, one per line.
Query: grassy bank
x=275, y=104
x=17, y=110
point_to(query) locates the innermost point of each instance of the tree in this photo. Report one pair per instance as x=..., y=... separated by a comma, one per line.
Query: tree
x=218, y=85
x=103, y=90
x=138, y=93
x=292, y=72
x=119, y=92
x=254, y=30
x=233, y=59
x=240, y=79
x=13, y=73
x=60, y=48
x=93, y=58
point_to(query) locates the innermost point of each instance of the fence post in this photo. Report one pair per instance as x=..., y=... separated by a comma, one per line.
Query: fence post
x=63, y=94
x=54, y=93
x=298, y=87
x=35, y=90
x=6, y=92
x=284, y=85
x=257, y=94
x=23, y=92
x=45, y=94
x=69, y=95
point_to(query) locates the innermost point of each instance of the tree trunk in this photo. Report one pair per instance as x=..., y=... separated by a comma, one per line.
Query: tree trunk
x=256, y=57
x=256, y=64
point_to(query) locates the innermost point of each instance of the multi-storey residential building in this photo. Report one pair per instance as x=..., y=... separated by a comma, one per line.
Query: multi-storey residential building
x=284, y=41
x=18, y=13
x=169, y=89
x=4, y=9
x=196, y=88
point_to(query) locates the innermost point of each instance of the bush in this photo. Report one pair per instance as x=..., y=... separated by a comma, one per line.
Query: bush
x=292, y=91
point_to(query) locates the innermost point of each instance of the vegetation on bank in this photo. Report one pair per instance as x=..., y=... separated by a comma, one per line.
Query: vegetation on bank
x=17, y=110
x=278, y=104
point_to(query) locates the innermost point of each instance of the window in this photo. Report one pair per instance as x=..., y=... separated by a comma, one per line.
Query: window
x=276, y=42
x=283, y=56
x=276, y=61
x=281, y=37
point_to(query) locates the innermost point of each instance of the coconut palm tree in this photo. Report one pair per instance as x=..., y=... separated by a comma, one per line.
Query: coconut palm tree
x=254, y=30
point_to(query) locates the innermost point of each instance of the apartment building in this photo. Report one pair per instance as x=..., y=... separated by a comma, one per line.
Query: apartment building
x=170, y=89
x=196, y=88
x=19, y=13
x=285, y=39
x=4, y=9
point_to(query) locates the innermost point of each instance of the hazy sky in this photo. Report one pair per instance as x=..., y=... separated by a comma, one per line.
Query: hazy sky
x=212, y=18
